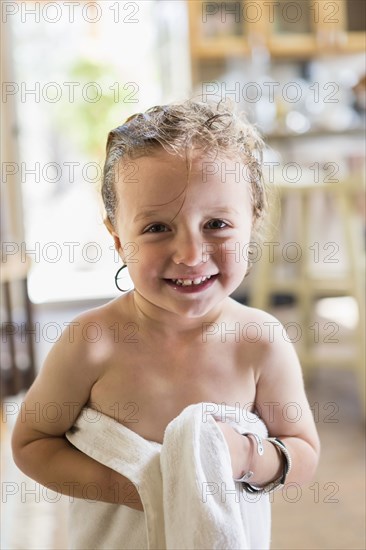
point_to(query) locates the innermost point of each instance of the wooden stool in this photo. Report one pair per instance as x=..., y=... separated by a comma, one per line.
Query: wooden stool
x=304, y=286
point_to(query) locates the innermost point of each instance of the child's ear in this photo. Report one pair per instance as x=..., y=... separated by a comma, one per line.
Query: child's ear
x=117, y=242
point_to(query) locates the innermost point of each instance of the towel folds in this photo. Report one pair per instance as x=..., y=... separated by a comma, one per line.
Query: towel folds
x=190, y=499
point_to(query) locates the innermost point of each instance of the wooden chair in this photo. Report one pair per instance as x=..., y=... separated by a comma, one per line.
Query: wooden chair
x=306, y=286
x=14, y=377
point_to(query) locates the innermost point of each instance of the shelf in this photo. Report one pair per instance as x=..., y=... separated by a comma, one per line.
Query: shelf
x=319, y=28
x=220, y=48
x=338, y=287
x=316, y=133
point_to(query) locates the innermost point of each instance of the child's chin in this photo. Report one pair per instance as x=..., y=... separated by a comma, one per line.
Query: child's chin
x=194, y=312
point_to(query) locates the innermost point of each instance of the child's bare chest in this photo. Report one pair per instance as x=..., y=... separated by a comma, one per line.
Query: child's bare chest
x=145, y=391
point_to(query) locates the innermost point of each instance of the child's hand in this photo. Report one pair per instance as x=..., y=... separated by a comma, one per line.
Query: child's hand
x=239, y=448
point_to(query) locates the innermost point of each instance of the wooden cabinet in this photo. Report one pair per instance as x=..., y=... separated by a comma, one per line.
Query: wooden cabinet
x=309, y=28
x=353, y=17
x=292, y=29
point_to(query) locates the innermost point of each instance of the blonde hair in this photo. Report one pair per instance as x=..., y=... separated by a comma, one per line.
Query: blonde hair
x=210, y=128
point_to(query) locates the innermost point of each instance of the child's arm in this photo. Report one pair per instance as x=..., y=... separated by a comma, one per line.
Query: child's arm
x=282, y=404
x=50, y=408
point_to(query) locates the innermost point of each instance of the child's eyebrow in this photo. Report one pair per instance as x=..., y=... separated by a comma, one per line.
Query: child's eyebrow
x=223, y=210
x=146, y=214
x=214, y=210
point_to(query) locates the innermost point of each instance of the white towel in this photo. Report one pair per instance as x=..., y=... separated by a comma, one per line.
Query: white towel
x=190, y=499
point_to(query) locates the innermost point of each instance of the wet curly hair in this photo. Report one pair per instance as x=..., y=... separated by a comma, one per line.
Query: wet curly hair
x=208, y=128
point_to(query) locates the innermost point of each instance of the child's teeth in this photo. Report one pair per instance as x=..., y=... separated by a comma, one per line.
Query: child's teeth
x=189, y=282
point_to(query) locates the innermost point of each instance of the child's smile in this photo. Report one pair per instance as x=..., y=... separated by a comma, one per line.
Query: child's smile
x=191, y=234
x=195, y=283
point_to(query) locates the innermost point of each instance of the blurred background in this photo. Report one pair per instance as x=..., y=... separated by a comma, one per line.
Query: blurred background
x=71, y=71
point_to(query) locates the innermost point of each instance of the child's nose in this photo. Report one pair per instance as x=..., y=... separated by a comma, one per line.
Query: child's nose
x=188, y=250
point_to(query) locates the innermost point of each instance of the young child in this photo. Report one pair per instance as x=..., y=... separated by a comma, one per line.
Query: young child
x=184, y=198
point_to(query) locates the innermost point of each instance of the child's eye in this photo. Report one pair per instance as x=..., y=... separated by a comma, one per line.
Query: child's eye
x=156, y=228
x=216, y=224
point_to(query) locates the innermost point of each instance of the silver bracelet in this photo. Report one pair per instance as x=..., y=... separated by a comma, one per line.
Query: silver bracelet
x=260, y=451
x=276, y=484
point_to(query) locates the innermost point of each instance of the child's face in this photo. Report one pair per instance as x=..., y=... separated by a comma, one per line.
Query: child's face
x=171, y=229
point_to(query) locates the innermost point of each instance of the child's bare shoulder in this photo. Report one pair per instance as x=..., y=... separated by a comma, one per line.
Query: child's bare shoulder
x=71, y=368
x=263, y=339
x=94, y=329
x=80, y=351
x=257, y=325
